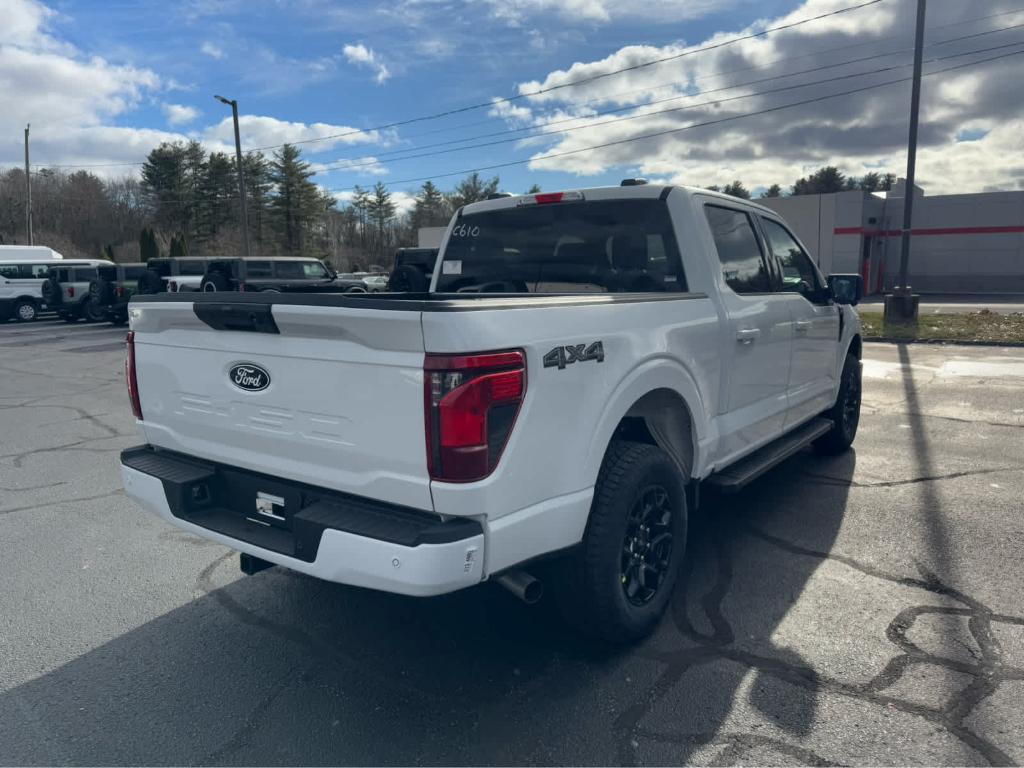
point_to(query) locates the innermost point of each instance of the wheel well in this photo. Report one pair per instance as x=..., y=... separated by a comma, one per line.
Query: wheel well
x=662, y=418
x=855, y=347
x=33, y=299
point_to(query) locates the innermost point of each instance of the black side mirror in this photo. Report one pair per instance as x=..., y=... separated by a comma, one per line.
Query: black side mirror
x=846, y=289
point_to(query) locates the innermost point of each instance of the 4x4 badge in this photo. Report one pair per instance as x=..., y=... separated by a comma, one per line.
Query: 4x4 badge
x=250, y=377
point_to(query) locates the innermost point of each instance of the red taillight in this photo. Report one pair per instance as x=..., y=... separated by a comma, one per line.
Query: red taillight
x=71, y=291
x=471, y=403
x=130, y=378
x=120, y=290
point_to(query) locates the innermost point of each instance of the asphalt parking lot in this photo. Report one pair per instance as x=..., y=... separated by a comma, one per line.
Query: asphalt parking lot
x=866, y=609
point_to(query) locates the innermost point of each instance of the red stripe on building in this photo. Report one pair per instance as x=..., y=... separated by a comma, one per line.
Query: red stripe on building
x=1007, y=230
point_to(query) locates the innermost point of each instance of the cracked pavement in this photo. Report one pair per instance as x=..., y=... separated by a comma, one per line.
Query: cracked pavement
x=861, y=610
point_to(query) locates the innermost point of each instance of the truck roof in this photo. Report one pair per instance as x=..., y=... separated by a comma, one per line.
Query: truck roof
x=28, y=253
x=618, y=192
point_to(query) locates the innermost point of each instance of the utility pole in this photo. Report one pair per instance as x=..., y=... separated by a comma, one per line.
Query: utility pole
x=902, y=305
x=241, y=175
x=28, y=191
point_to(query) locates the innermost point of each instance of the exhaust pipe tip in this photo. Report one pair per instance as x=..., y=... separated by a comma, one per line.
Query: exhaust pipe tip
x=527, y=588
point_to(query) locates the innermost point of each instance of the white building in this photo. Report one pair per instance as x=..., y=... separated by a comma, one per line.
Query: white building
x=970, y=243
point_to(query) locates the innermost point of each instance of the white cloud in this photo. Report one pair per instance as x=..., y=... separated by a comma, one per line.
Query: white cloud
x=179, y=114
x=262, y=131
x=857, y=132
x=361, y=55
x=212, y=50
x=515, y=12
x=65, y=94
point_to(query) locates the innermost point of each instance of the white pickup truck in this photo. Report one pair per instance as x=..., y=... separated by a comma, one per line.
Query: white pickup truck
x=583, y=361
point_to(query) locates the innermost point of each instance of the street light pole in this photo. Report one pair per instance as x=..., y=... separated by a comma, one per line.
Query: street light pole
x=241, y=174
x=28, y=191
x=903, y=305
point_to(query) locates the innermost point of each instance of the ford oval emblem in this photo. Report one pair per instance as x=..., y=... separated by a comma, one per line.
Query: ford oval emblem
x=250, y=377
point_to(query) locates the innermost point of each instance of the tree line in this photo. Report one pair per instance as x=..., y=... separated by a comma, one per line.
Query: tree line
x=823, y=181
x=185, y=202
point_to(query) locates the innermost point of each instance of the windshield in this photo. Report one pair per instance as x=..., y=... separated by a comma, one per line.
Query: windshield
x=590, y=247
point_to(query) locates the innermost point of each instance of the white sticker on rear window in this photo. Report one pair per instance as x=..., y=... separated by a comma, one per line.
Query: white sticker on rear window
x=451, y=267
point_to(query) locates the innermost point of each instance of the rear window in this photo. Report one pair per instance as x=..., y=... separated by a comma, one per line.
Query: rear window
x=300, y=270
x=258, y=269
x=197, y=267
x=133, y=273
x=107, y=273
x=83, y=274
x=606, y=246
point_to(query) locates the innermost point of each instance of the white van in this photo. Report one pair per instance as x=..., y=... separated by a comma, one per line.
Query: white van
x=21, y=284
x=28, y=253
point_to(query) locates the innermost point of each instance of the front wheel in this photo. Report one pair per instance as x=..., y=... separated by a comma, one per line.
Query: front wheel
x=26, y=311
x=845, y=414
x=621, y=579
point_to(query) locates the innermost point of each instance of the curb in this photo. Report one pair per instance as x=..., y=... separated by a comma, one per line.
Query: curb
x=955, y=342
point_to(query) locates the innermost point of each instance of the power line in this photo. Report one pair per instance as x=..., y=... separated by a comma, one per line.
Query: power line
x=343, y=166
x=618, y=142
x=642, y=115
x=582, y=80
x=610, y=97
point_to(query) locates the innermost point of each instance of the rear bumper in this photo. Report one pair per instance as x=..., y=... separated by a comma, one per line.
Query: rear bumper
x=333, y=537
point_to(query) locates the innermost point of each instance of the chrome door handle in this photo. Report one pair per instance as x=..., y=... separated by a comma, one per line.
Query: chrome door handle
x=748, y=335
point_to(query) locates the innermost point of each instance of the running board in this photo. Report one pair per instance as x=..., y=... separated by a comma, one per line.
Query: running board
x=746, y=470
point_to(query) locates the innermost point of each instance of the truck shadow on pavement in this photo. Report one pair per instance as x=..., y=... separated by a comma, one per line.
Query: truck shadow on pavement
x=282, y=669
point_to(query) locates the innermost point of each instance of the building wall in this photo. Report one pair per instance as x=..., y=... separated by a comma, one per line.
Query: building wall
x=970, y=243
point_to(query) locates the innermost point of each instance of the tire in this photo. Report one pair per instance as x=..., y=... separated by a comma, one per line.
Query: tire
x=101, y=291
x=408, y=279
x=92, y=312
x=215, y=281
x=638, y=488
x=25, y=311
x=845, y=414
x=151, y=282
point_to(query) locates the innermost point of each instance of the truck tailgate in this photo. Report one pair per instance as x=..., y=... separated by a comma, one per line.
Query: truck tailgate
x=340, y=407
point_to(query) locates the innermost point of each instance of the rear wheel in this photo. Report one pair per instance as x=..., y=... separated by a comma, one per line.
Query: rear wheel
x=215, y=281
x=845, y=414
x=26, y=311
x=92, y=311
x=621, y=579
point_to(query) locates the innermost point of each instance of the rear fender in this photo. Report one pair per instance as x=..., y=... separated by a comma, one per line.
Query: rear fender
x=653, y=375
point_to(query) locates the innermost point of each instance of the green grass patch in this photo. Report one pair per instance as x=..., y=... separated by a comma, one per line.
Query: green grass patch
x=985, y=326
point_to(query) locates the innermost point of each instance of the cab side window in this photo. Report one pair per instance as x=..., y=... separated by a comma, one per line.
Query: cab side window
x=798, y=272
x=40, y=270
x=10, y=271
x=739, y=251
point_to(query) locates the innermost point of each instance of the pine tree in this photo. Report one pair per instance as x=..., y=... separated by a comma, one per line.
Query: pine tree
x=218, y=196
x=148, y=248
x=533, y=190
x=294, y=203
x=773, y=191
x=381, y=212
x=823, y=181
x=178, y=246
x=258, y=186
x=473, y=189
x=736, y=189
x=430, y=209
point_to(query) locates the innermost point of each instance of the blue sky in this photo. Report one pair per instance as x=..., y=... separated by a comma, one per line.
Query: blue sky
x=102, y=82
